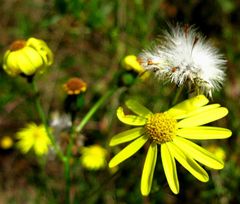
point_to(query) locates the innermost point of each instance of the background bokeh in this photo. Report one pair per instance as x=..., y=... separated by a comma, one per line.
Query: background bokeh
x=89, y=39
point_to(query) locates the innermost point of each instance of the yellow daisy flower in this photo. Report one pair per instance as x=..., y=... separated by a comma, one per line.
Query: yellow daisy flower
x=94, y=157
x=27, y=57
x=171, y=130
x=35, y=137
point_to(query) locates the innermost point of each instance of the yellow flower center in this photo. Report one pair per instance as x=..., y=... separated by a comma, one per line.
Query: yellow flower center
x=161, y=127
x=17, y=45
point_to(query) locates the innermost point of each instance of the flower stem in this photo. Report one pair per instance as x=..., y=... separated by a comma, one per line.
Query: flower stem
x=94, y=108
x=44, y=120
x=176, y=98
x=67, y=166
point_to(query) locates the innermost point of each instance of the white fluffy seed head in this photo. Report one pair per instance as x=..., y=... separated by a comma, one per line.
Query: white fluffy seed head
x=184, y=57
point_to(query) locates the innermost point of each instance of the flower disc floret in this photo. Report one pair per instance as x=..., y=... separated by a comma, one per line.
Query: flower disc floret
x=17, y=45
x=75, y=86
x=161, y=127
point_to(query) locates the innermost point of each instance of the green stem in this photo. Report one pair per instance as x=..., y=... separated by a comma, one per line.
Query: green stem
x=44, y=120
x=96, y=106
x=176, y=98
x=67, y=166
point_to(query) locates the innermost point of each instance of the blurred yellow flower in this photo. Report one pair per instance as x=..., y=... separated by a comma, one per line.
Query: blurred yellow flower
x=35, y=137
x=93, y=157
x=217, y=151
x=171, y=130
x=27, y=57
x=6, y=142
x=75, y=86
x=131, y=63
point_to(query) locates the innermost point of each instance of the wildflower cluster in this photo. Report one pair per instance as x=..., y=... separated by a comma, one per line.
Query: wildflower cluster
x=183, y=57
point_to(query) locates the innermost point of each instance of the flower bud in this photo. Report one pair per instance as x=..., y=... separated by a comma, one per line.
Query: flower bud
x=6, y=142
x=132, y=63
x=75, y=86
x=27, y=57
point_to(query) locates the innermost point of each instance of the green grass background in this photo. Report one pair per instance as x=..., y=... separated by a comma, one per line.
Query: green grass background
x=89, y=39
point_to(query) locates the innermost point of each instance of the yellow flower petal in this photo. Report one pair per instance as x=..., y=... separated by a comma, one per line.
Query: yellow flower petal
x=128, y=151
x=41, y=47
x=188, y=163
x=24, y=146
x=169, y=166
x=198, y=153
x=204, y=133
x=180, y=110
x=40, y=147
x=202, y=109
x=10, y=63
x=25, y=64
x=126, y=136
x=132, y=63
x=29, y=61
x=130, y=119
x=137, y=108
x=203, y=118
x=148, y=169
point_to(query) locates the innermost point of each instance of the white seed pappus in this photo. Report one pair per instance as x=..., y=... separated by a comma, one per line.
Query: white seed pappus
x=185, y=57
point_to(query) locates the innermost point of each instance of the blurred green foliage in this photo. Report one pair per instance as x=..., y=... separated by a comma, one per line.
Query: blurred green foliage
x=89, y=40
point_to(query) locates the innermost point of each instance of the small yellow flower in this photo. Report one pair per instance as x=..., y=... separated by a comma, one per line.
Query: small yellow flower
x=27, y=57
x=6, y=142
x=93, y=157
x=131, y=63
x=219, y=152
x=35, y=137
x=75, y=86
x=172, y=130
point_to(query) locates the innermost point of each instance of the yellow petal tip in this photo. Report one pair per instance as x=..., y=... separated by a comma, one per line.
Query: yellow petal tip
x=176, y=191
x=111, y=143
x=111, y=165
x=144, y=192
x=120, y=112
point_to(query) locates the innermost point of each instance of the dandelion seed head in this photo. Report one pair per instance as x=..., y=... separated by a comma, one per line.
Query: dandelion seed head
x=185, y=57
